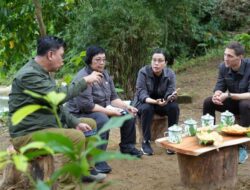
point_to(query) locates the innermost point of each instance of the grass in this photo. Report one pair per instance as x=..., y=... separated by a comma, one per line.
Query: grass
x=183, y=63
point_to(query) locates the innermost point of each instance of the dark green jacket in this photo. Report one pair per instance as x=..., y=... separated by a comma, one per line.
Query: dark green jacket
x=34, y=78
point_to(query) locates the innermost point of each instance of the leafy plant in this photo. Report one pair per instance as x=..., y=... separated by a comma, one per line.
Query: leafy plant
x=244, y=39
x=50, y=143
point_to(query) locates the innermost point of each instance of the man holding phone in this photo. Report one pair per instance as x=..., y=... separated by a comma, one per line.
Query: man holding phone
x=155, y=93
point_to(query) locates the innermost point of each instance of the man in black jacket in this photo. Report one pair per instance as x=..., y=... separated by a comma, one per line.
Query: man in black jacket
x=232, y=90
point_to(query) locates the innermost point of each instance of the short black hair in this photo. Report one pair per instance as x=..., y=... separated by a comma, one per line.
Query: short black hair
x=91, y=52
x=161, y=51
x=237, y=47
x=48, y=43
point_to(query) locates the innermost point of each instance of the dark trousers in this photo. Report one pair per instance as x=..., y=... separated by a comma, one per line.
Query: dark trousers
x=237, y=107
x=146, y=113
x=127, y=130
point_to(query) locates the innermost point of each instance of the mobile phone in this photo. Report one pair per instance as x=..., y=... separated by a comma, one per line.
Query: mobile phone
x=172, y=95
x=90, y=132
x=124, y=112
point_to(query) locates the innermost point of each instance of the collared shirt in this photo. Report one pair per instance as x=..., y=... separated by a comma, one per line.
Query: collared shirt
x=145, y=84
x=98, y=93
x=34, y=78
x=235, y=82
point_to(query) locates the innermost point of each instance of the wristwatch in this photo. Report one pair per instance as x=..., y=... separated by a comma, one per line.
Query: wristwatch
x=229, y=95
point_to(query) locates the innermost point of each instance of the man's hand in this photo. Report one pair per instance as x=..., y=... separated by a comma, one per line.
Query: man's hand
x=93, y=77
x=112, y=111
x=218, y=97
x=83, y=127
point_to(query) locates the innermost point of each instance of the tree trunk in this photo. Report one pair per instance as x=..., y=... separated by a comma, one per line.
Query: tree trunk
x=39, y=17
x=210, y=171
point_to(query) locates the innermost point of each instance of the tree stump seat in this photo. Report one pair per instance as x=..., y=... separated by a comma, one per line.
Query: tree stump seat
x=40, y=168
x=158, y=127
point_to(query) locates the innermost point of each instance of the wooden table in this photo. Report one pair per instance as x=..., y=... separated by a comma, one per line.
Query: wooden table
x=207, y=167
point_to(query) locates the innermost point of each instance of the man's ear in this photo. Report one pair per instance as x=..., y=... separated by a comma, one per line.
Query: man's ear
x=49, y=55
x=241, y=56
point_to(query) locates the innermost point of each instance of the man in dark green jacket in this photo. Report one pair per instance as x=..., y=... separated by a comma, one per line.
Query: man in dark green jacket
x=36, y=76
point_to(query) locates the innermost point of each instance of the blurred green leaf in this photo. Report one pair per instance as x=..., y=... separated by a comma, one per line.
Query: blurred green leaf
x=23, y=112
x=41, y=185
x=70, y=168
x=21, y=162
x=119, y=90
x=58, y=142
x=85, y=166
x=114, y=122
x=112, y=155
x=36, y=145
x=33, y=94
x=55, y=98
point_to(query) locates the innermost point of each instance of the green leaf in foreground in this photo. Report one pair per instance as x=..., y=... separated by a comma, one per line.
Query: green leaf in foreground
x=23, y=112
x=36, y=145
x=33, y=94
x=57, y=142
x=104, y=156
x=21, y=162
x=114, y=122
x=41, y=185
x=55, y=98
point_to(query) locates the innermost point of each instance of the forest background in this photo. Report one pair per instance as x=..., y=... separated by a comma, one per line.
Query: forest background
x=128, y=29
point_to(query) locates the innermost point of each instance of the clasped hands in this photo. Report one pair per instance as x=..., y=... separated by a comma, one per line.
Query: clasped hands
x=219, y=97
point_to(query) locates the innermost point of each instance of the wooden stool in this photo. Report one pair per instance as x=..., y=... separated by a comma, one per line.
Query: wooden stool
x=39, y=168
x=158, y=127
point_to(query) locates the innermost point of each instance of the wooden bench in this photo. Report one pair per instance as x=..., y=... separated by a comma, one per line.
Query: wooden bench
x=39, y=168
x=160, y=123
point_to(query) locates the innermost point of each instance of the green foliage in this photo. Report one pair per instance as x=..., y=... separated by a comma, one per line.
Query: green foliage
x=45, y=143
x=233, y=14
x=17, y=20
x=126, y=29
x=21, y=162
x=183, y=62
x=42, y=186
x=244, y=39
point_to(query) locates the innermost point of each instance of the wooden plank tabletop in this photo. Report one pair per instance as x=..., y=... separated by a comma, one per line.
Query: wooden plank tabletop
x=190, y=145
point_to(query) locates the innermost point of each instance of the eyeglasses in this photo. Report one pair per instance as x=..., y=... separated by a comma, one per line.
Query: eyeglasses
x=99, y=60
x=158, y=60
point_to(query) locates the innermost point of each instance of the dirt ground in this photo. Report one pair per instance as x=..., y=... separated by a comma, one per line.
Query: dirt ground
x=160, y=171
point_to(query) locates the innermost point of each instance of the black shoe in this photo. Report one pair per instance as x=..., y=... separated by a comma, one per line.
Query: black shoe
x=132, y=151
x=170, y=152
x=94, y=176
x=102, y=167
x=146, y=148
